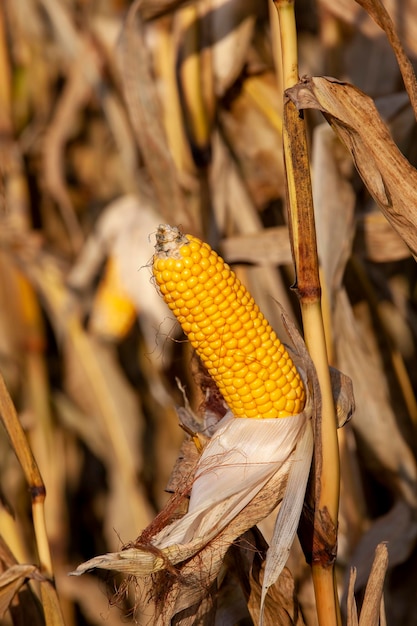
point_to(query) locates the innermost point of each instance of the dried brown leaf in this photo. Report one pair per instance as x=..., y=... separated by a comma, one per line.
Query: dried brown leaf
x=198, y=574
x=74, y=97
x=146, y=117
x=348, y=12
x=94, y=381
x=231, y=199
x=123, y=232
x=379, y=13
x=11, y=581
x=351, y=609
x=231, y=26
x=269, y=246
x=385, y=451
x=371, y=607
x=51, y=606
x=334, y=205
x=398, y=529
x=281, y=607
x=25, y=608
x=376, y=240
x=389, y=177
x=256, y=145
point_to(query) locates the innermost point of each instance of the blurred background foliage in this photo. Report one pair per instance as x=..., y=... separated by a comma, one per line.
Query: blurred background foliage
x=115, y=117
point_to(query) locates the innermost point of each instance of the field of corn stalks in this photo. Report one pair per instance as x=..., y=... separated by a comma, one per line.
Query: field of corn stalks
x=116, y=117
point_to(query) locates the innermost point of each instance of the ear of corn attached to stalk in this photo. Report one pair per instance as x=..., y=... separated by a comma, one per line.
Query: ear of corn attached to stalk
x=240, y=350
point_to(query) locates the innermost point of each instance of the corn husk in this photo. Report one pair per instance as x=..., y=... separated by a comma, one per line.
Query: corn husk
x=231, y=471
x=244, y=471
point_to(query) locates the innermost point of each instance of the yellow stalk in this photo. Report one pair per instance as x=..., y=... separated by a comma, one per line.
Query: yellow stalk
x=256, y=88
x=5, y=78
x=302, y=226
x=33, y=477
x=190, y=73
x=172, y=116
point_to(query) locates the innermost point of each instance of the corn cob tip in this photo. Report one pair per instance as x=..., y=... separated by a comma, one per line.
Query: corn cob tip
x=169, y=239
x=240, y=350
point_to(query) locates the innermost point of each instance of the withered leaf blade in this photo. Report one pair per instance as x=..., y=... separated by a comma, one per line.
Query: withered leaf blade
x=373, y=595
x=10, y=582
x=387, y=174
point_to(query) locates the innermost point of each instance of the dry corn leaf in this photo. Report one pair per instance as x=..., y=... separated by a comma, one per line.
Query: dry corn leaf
x=194, y=74
x=371, y=607
x=232, y=203
x=281, y=607
x=387, y=174
x=146, y=117
x=231, y=25
x=387, y=454
x=334, y=205
x=74, y=97
x=398, y=529
x=256, y=145
x=95, y=382
x=376, y=240
x=349, y=12
x=219, y=492
x=268, y=246
x=203, y=558
x=26, y=608
x=51, y=605
x=121, y=233
x=165, y=61
x=377, y=10
x=11, y=581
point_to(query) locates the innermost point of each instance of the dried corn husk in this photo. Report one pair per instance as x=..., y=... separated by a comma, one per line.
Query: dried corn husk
x=239, y=479
x=231, y=475
x=244, y=471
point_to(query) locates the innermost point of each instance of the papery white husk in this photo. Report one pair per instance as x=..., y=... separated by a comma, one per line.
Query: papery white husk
x=289, y=514
x=236, y=464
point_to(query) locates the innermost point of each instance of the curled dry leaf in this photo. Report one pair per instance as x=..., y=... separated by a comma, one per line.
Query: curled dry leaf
x=386, y=452
x=387, y=174
x=11, y=581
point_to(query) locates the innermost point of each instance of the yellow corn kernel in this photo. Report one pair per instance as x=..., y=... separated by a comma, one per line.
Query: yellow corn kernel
x=242, y=353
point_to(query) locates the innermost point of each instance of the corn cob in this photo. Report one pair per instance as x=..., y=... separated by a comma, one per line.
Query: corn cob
x=241, y=352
